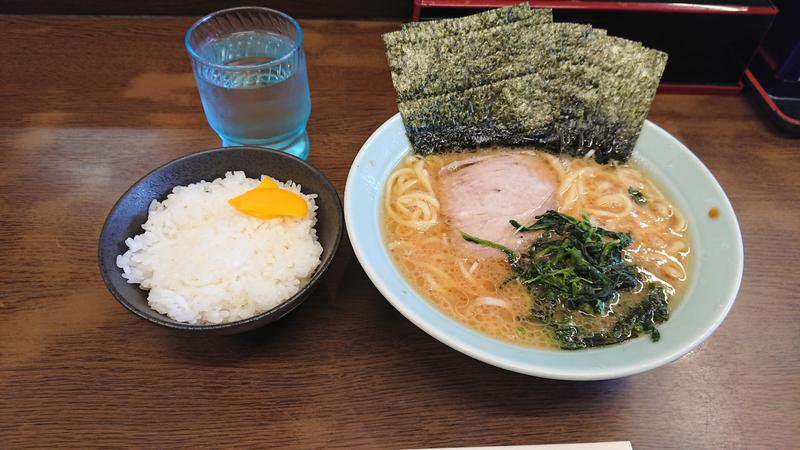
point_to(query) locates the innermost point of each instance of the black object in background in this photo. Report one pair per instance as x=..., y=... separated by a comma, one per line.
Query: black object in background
x=775, y=72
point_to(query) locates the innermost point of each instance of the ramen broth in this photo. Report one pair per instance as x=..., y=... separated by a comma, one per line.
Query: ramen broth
x=475, y=290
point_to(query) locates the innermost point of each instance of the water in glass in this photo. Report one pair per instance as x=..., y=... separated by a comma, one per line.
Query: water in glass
x=253, y=84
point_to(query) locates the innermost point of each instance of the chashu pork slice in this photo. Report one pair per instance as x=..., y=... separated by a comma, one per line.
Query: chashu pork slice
x=480, y=195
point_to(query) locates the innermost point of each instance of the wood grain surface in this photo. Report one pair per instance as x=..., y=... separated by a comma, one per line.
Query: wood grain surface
x=306, y=9
x=89, y=105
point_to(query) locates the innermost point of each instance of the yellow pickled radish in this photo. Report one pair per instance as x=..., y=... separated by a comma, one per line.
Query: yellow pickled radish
x=266, y=203
x=267, y=183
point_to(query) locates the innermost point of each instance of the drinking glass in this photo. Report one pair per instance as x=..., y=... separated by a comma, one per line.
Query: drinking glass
x=251, y=74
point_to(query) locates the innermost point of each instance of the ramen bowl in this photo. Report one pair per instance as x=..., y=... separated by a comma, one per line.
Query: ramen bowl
x=716, y=243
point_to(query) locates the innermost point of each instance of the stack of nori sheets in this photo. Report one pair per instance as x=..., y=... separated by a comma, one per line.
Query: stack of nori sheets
x=510, y=76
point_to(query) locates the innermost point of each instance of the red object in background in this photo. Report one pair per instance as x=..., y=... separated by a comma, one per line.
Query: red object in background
x=710, y=42
x=653, y=6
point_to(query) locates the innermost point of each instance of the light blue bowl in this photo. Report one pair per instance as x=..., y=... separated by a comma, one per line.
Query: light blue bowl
x=715, y=270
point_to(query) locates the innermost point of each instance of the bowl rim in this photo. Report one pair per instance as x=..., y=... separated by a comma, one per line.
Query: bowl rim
x=277, y=311
x=531, y=368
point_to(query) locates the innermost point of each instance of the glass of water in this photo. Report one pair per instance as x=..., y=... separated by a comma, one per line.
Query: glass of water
x=251, y=73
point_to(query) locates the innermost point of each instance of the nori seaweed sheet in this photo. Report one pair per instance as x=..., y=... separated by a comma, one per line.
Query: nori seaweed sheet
x=422, y=31
x=614, y=86
x=509, y=80
x=461, y=62
x=512, y=111
x=488, y=18
x=627, y=75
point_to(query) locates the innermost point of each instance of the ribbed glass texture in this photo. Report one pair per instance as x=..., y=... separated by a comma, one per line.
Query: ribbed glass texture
x=251, y=74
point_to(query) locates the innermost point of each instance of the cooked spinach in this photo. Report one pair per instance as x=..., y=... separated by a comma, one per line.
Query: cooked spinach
x=577, y=268
x=637, y=196
x=642, y=319
x=572, y=264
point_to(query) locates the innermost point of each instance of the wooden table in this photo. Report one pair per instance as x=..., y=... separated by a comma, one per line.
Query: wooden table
x=89, y=105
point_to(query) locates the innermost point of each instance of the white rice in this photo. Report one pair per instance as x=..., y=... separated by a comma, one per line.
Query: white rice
x=206, y=263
